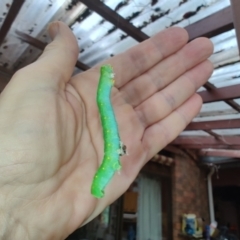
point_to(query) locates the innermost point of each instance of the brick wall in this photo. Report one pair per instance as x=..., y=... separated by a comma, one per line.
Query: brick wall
x=189, y=192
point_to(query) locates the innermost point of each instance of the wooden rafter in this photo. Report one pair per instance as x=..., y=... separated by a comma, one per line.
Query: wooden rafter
x=210, y=87
x=12, y=14
x=213, y=133
x=212, y=25
x=202, y=146
x=221, y=94
x=116, y=19
x=41, y=45
x=220, y=153
x=219, y=124
x=233, y=140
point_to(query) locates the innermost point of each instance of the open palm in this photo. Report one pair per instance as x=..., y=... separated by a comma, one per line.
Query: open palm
x=51, y=135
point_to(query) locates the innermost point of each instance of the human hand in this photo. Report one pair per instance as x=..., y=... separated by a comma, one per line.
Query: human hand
x=51, y=136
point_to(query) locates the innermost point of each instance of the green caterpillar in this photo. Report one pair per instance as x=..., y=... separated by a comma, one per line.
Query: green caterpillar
x=113, y=147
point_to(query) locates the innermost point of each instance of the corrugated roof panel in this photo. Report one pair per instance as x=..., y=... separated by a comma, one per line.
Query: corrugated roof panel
x=226, y=60
x=106, y=47
x=25, y=21
x=227, y=132
x=226, y=72
x=145, y=12
x=224, y=41
x=217, y=117
x=216, y=111
x=91, y=29
x=215, y=106
x=33, y=20
x=178, y=15
x=194, y=133
x=230, y=55
x=4, y=8
x=107, y=51
x=98, y=39
x=150, y=19
x=228, y=82
x=237, y=100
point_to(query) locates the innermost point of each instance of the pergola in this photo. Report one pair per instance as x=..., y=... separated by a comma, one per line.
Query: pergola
x=219, y=136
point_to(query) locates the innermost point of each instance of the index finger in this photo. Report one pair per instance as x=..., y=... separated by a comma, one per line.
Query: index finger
x=145, y=55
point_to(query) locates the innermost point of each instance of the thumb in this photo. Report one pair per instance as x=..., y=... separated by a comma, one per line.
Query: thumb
x=60, y=56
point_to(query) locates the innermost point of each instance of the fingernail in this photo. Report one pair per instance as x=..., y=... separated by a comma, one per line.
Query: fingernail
x=53, y=29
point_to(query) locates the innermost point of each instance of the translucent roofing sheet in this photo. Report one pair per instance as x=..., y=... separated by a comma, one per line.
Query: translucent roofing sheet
x=4, y=8
x=33, y=19
x=98, y=39
x=217, y=117
x=103, y=40
x=227, y=132
x=194, y=133
x=216, y=108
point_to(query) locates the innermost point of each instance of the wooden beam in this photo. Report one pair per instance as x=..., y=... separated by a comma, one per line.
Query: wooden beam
x=116, y=19
x=209, y=86
x=12, y=14
x=219, y=124
x=220, y=94
x=228, y=140
x=236, y=19
x=41, y=45
x=233, y=104
x=212, y=25
x=220, y=153
x=210, y=132
x=201, y=146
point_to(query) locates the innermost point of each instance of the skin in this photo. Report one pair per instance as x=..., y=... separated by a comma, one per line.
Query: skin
x=112, y=147
x=51, y=136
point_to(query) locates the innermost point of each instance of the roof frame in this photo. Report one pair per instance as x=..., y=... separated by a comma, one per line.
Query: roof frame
x=212, y=146
x=220, y=153
x=116, y=19
x=219, y=124
x=212, y=25
x=41, y=45
x=221, y=94
x=12, y=14
x=227, y=140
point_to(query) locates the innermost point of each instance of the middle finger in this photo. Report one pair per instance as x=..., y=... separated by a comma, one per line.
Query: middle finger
x=162, y=74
